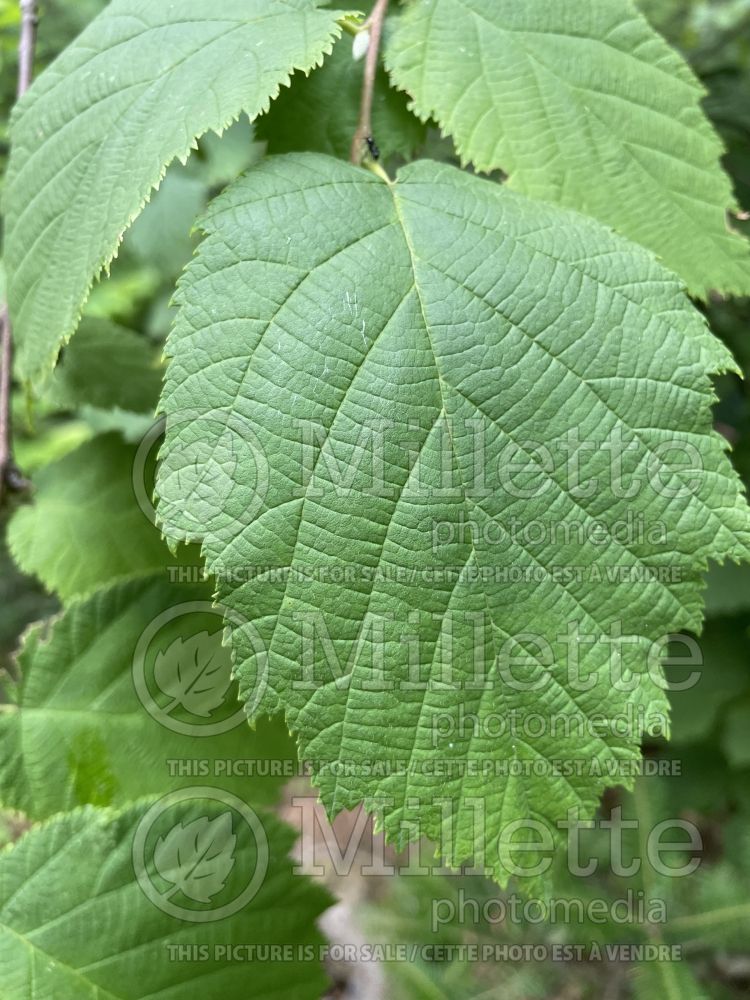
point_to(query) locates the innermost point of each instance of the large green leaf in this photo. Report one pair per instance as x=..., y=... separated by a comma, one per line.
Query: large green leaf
x=93, y=136
x=91, y=725
x=76, y=923
x=466, y=328
x=84, y=527
x=585, y=105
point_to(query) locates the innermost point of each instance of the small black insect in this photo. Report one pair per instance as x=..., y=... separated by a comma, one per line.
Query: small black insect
x=373, y=147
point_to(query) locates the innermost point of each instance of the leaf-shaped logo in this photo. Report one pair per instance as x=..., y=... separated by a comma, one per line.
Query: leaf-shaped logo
x=197, y=857
x=195, y=672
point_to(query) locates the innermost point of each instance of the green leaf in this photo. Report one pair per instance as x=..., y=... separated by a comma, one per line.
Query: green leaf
x=82, y=730
x=161, y=236
x=584, y=105
x=106, y=366
x=22, y=600
x=76, y=920
x=432, y=332
x=723, y=676
x=735, y=736
x=727, y=590
x=50, y=441
x=222, y=158
x=84, y=527
x=93, y=135
x=320, y=113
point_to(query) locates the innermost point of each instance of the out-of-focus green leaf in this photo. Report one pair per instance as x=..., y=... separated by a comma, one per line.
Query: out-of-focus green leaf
x=80, y=732
x=84, y=527
x=735, y=735
x=723, y=673
x=76, y=922
x=108, y=367
x=320, y=113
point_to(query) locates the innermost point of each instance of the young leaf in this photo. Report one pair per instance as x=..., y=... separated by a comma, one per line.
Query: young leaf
x=584, y=105
x=444, y=344
x=84, y=731
x=84, y=527
x=97, y=129
x=85, y=911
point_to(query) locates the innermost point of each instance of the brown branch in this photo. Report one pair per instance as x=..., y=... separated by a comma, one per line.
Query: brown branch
x=6, y=361
x=11, y=479
x=363, y=136
x=26, y=45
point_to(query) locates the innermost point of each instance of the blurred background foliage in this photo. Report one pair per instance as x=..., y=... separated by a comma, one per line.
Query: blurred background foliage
x=101, y=402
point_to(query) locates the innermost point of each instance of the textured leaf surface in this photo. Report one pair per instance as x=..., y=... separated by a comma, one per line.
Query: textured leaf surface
x=75, y=923
x=581, y=104
x=442, y=311
x=320, y=114
x=84, y=527
x=96, y=130
x=79, y=733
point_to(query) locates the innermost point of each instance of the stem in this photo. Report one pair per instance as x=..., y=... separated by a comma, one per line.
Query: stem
x=10, y=478
x=26, y=45
x=6, y=362
x=374, y=24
